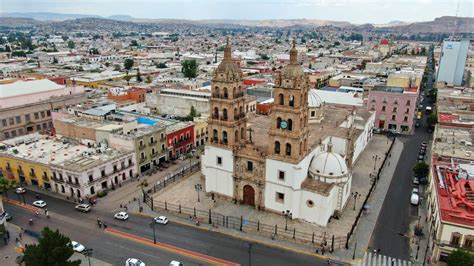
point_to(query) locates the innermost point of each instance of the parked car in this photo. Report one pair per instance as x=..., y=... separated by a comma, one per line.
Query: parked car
x=83, y=207
x=415, y=197
x=377, y=130
x=161, y=220
x=8, y=216
x=134, y=262
x=78, y=247
x=417, y=124
x=422, y=152
x=39, y=203
x=416, y=181
x=424, y=144
x=20, y=190
x=176, y=263
x=121, y=216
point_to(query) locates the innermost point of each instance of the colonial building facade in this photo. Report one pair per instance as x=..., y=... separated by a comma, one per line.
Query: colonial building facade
x=276, y=164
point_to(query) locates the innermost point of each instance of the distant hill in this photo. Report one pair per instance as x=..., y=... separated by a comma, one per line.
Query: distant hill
x=18, y=22
x=121, y=17
x=442, y=25
x=277, y=23
x=392, y=23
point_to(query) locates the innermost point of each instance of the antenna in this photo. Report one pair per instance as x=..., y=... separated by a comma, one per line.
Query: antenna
x=456, y=21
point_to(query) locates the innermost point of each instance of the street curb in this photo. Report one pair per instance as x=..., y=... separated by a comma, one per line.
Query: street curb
x=254, y=241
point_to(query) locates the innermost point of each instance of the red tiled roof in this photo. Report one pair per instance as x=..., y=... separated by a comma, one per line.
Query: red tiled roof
x=454, y=194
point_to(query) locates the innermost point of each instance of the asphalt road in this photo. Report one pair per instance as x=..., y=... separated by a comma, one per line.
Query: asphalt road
x=397, y=212
x=83, y=228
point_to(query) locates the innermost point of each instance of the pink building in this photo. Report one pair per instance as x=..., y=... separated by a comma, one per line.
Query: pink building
x=395, y=107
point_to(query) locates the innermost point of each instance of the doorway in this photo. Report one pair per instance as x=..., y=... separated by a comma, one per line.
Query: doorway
x=249, y=195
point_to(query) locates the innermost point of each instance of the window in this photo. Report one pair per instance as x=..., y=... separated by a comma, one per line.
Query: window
x=214, y=135
x=407, y=111
x=38, y=127
x=249, y=166
x=394, y=109
x=13, y=133
x=281, y=175
x=224, y=114
x=45, y=125
x=162, y=147
x=405, y=119
x=76, y=180
x=278, y=122
x=313, y=113
x=42, y=114
x=18, y=119
x=292, y=101
x=469, y=242
x=142, y=155
x=4, y=122
x=153, y=151
x=281, y=99
x=20, y=131
x=129, y=162
x=394, y=117
x=395, y=101
x=152, y=140
x=219, y=160
x=115, y=168
x=102, y=172
x=384, y=99
x=290, y=124
x=310, y=203
x=277, y=147
x=408, y=102
x=224, y=137
x=48, y=113
x=280, y=197
x=288, y=149
x=91, y=178
x=455, y=239
x=372, y=108
x=36, y=115
x=11, y=121
x=383, y=108
x=141, y=143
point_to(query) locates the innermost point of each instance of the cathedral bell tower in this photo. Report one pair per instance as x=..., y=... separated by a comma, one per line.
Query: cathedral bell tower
x=289, y=129
x=227, y=122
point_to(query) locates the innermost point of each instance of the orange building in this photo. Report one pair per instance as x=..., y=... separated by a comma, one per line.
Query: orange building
x=135, y=94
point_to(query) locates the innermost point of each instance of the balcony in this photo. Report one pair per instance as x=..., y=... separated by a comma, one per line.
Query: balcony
x=153, y=155
x=73, y=184
x=21, y=173
x=141, y=147
x=153, y=142
x=32, y=174
x=58, y=180
x=142, y=159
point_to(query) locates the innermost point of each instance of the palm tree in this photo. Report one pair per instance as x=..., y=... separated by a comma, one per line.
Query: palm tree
x=6, y=184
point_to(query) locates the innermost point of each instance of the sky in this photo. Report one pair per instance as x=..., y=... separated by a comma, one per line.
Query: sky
x=354, y=11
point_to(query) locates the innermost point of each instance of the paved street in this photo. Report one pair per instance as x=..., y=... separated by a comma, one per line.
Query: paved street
x=397, y=212
x=83, y=228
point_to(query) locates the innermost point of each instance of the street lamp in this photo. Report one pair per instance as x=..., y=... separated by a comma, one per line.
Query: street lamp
x=287, y=215
x=198, y=187
x=88, y=253
x=355, y=195
x=152, y=225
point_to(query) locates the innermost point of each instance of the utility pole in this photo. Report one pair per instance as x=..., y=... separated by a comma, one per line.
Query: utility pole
x=152, y=225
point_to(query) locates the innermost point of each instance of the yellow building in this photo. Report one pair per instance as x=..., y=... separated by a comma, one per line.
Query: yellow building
x=25, y=171
x=200, y=131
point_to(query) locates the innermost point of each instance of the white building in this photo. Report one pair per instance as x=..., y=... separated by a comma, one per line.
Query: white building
x=453, y=60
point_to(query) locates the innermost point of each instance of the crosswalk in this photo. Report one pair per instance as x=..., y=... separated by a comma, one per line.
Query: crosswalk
x=375, y=259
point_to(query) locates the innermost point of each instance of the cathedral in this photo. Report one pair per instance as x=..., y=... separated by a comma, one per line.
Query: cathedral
x=299, y=159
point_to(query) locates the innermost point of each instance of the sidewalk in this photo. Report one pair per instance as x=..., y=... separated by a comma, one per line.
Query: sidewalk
x=13, y=249
x=418, y=244
x=364, y=229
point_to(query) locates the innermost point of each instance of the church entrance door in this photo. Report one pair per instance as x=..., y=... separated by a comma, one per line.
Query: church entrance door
x=249, y=195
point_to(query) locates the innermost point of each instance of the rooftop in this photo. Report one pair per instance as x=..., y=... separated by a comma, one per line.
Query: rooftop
x=453, y=142
x=454, y=180
x=21, y=87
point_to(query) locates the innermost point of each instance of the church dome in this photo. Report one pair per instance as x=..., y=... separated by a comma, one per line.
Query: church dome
x=228, y=66
x=293, y=70
x=328, y=164
x=313, y=99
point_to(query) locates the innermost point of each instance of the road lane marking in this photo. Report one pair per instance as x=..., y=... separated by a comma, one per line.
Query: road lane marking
x=19, y=204
x=170, y=248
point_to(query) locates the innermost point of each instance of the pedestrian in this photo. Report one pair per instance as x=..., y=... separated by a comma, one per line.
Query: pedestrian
x=100, y=224
x=105, y=225
x=45, y=210
x=126, y=208
x=121, y=206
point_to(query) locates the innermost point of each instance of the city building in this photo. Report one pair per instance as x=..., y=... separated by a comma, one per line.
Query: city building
x=453, y=61
x=26, y=106
x=394, y=107
x=179, y=139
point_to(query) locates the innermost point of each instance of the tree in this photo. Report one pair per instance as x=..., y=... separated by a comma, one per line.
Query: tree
x=139, y=77
x=71, y=44
x=192, y=113
x=53, y=249
x=190, y=68
x=432, y=119
x=6, y=184
x=421, y=169
x=134, y=43
x=117, y=67
x=128, y=64
x=264, y=57
x=460, y=257
x=161, y=65
x=127, y=78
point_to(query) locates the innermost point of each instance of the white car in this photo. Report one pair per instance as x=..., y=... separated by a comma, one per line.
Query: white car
x=161, y=220
x=40, y=203
x=415, y=197
x=77, y=246
x=121, y=216
x=176, y=263
x=20, y=190
x=134, y=262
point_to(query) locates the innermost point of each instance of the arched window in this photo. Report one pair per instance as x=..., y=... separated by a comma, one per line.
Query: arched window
x=216, y=91
x=292, y=101
x=234, y=92
x=241, y=111
x=281, y=99
x=215, y=135
x=224, y=137
x=224, y=114
x=278, y=122
x=216, y=112
x=242, y=133
x=277, y=147
x=288, y=149
x=236, y=116
x=226, y=93
x=236, y=136
x=290, y=124
x=301, y=147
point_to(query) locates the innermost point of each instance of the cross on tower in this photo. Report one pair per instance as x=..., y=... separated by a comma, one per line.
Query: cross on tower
x=250, y=130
